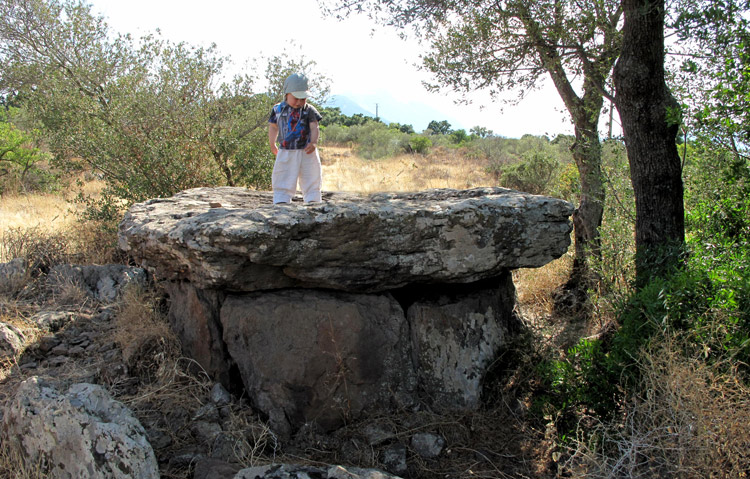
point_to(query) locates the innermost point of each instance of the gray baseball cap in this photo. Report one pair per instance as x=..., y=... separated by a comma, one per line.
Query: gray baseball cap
x=296, y=84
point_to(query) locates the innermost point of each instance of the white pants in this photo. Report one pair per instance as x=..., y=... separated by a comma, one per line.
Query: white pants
x=291, y=165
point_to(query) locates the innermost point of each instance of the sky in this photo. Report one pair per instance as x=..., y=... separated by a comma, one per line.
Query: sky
x=367, y=63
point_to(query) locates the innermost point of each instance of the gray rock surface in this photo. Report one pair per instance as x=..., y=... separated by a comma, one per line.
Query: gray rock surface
x=289, y=471
x=81, y=433
x=318, y=356
x=323, y=357
x=12, y=275
x=102, y=283
x=455, y=337
x=347, y=242
x=11, y=341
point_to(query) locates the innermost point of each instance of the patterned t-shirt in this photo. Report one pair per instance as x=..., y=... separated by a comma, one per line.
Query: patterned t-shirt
x=294, y=124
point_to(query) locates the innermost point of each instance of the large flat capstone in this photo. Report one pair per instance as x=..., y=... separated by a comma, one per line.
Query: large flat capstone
x=235, y=239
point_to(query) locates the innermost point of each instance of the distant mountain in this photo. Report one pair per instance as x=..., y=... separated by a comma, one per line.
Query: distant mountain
x=418, y=115
x=348, y=106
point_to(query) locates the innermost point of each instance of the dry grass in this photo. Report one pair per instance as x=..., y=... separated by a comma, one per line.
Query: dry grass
x=50, y=212
x=47, y=211
x=443, y=168
x=142, y=332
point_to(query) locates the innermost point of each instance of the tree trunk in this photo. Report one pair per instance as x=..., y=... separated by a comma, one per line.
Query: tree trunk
x=587, y=218
x=650, y=121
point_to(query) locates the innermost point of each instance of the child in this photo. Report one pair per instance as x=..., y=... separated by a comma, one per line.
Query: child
x=293, y=124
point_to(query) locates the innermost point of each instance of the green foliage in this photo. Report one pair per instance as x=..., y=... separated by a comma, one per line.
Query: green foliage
x=373, y=139
x=459, y=137
x=402, y=128
x=717, y=194
x=714, y=76
x=614, y=265
x=481, y=132
x=585, y=380
x=376, y=140
x=534, y=174
x=20, y=158
x=420, y=144
x=440, y=127
x=332, y=116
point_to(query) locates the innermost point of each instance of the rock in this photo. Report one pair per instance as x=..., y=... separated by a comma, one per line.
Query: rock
x=326, y=356
x=394, y=459
x=456, y=336
x=347, y=242
x=13, y=275
x=428, y=446
x=205, y=432
x=340, y=472
x=288, y=471
x=311, y=355
x=82, y=433
x=377, y=434
x=220, y=396
x=207, y=412
x=102, y=283
x=321, y=312
x=11, y=341
x=194, y=317
x=209, y=468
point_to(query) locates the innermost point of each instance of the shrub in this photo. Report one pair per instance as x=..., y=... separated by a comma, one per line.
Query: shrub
x=377, y=140
x=20, y=158
x=534, y=174
x=420, y=144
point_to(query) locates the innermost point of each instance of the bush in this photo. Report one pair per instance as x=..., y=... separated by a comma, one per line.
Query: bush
x=535, y=174
x=420, y=144
x=20, y=158
x=375, y=140
x=717, y=194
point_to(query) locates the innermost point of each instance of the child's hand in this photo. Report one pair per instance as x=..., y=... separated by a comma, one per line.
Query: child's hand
x=274, y=150
x=310, y=147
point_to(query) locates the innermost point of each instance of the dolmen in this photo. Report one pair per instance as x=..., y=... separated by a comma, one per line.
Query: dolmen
x=322, y=312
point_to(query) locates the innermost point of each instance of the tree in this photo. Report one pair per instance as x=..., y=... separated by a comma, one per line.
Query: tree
x=439, y=127
x=512, y=46
x=18, y=155
x=650, y=119
x=481, y=131
x=714, y=74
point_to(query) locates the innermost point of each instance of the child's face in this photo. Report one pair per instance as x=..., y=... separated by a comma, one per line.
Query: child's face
x=295, y=102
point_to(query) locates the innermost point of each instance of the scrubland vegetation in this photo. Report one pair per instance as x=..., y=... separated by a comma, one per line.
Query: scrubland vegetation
x=649, y=383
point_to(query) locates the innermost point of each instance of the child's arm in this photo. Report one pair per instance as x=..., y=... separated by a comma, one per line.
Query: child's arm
x=273, y=133
x=314, y=135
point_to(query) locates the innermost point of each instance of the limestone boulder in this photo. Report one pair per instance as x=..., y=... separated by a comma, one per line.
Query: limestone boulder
x=11, y=341
x=80, y=433
x=235, y=239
